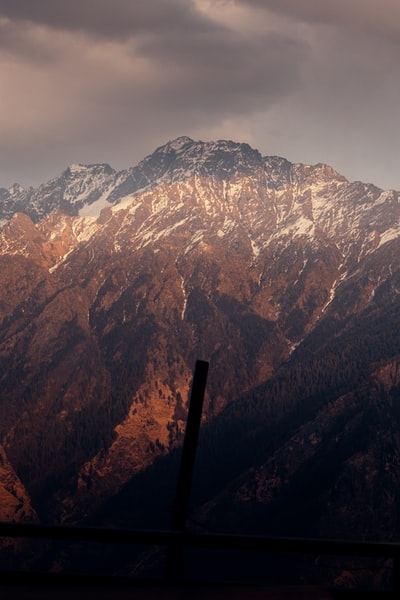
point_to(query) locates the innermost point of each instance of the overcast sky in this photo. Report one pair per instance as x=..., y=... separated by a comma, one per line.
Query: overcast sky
x=109, y=81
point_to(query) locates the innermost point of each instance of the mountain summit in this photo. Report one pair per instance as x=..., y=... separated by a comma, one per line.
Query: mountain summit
x=83, y=185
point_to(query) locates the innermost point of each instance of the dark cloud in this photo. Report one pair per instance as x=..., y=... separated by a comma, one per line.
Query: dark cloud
x=374, y=16
x=194, y=59
x=226, y=71
x=113, y=19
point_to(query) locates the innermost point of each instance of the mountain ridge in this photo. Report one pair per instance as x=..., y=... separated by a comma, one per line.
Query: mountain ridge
x=152, y=170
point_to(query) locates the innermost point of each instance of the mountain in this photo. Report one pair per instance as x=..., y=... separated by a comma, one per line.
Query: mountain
x=84, y=189
x=284, y=276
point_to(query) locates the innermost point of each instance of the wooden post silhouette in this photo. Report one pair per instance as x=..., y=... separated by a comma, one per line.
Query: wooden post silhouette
x=181, y=503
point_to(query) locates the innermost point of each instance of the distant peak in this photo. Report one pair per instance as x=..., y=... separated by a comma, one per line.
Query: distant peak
x=185, y=144
x=179, y=142
x=77, y=167
x=16, y=188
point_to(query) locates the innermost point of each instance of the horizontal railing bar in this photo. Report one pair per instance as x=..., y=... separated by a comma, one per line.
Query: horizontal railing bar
x=210, y=540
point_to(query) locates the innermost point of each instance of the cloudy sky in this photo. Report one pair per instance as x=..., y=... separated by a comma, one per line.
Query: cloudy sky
x=109, y=81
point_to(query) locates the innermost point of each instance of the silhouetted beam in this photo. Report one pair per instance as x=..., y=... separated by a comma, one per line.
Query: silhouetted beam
x=181, y=503
x=243, y=543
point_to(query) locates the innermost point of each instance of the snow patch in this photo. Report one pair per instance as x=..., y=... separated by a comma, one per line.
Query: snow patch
x=303, y=227
x=127, y=202
x=334, y=287
x=150, y=236
x=184, y=305
x=196, y=239
x=384, y=196
x=255, y=248
x=77, y=168
x=390, y=234
x=94, y=209
x=84, y=228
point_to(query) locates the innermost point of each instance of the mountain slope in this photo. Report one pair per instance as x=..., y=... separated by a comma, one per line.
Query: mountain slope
x=284, y=276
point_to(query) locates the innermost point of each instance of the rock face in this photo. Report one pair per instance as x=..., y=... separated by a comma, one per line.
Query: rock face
x=14, y=499
x=284, y=276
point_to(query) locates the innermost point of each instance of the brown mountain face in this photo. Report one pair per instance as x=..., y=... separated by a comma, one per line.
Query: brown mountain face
x=284, y=276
